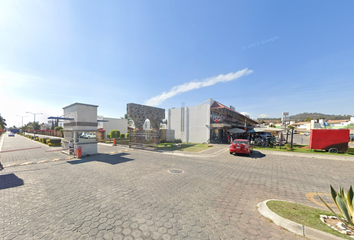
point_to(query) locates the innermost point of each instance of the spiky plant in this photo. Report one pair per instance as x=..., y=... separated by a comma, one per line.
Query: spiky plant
x=344, y=202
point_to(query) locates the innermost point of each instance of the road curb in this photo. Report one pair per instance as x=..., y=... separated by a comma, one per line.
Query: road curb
x=2, y=140
x=291, y=226
x=307, y=155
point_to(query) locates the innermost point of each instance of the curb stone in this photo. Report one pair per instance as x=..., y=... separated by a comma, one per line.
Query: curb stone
x=307, y=155
x=291, y=226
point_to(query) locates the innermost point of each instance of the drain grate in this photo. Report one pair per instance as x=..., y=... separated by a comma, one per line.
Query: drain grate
x=175, y=171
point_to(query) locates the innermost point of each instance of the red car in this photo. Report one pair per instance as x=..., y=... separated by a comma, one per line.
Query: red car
x=241, y=146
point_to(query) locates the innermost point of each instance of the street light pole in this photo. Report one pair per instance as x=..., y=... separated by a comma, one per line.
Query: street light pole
x=22, y=119
x=34, y=121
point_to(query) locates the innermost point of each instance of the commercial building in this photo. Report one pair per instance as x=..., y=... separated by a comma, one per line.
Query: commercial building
x=208, y=120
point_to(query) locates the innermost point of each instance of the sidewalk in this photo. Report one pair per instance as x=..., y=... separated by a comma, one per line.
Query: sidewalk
x=43, y=136
x=308, y=155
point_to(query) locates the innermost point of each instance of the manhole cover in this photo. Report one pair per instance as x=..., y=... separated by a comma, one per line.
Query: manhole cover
x=175, y=171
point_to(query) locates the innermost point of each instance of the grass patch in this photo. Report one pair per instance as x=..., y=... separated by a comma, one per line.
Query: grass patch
x=185, y=147
x=299, y=149
x=307, y=216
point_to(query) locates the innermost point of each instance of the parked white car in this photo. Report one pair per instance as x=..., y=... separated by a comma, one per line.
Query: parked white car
x=89, y=135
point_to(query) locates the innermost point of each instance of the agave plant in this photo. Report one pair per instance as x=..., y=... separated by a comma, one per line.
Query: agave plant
x=344, y=203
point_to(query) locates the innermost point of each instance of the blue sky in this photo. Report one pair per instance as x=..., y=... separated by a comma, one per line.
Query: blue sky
x=263, y=57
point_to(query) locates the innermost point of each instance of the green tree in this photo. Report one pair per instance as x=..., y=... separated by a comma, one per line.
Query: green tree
x=36, y=126
x=3, y=122
x=308, y=119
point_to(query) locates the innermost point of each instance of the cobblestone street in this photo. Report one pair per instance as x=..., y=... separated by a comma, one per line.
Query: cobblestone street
x=131, y=194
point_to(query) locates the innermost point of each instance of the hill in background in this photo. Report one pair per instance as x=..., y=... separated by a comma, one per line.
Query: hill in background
x=302, y=117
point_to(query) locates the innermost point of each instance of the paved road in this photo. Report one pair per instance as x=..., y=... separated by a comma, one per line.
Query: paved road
x=19, y=150
x=129, y=194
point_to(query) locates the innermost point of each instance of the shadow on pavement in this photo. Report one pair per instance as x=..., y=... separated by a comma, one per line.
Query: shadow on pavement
x=254, y=155
x=257, y=154
x=105, y=158
x=10, y=181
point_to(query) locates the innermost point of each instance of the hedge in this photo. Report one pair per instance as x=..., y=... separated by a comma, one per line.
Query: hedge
x=115, y=133
x=54, y=142
x=122, y=135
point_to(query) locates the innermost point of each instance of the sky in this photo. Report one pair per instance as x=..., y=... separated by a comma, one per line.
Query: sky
x=262, y=57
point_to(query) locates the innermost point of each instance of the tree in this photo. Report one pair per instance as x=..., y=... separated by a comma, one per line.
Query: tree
x=36, y=126
x=3, y=122
x=308, y=119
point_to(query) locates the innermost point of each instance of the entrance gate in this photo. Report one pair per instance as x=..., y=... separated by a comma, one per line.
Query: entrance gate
x=144, y=139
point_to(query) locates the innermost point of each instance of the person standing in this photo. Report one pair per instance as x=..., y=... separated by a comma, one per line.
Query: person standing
x=71, y=147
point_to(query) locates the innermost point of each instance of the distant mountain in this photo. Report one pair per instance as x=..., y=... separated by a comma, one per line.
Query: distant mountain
x=301, y=117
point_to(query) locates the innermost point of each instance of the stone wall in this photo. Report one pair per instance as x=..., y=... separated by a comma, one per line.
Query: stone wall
x=139, y=113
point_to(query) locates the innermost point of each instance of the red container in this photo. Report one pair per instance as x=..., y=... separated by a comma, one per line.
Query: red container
x=114, y=142
x=79, y=151
x=332, y=140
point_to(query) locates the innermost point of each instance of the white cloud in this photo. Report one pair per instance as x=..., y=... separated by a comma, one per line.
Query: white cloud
x=245, y=114
x=263, y=115
x=176, y=90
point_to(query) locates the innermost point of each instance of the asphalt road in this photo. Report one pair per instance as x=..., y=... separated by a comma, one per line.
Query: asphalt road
x=132, y=194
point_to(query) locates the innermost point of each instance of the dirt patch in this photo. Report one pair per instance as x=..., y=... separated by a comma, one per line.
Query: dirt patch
x=338, y=225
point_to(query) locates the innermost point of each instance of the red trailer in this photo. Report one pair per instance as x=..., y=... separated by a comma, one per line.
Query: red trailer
x=331, y=140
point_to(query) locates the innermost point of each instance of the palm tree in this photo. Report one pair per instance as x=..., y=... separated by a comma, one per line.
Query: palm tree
x=3, y=122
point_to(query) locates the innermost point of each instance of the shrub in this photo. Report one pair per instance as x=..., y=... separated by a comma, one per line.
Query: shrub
x=58, y=128
x=288, y=146
x=127, y=136
x=122, y=135
x=162, y=141
x=344, y=203
x=108, y=135
x=178, y=141
x=54, y=142
x=115, y=133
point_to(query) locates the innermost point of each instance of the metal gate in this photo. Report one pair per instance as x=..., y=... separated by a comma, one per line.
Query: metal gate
x=144, y=139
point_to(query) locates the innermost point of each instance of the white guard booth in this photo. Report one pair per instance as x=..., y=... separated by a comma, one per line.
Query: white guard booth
x=82, y=129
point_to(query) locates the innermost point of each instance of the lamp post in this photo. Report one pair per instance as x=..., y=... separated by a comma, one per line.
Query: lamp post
x=22, y=119
x=34, y=120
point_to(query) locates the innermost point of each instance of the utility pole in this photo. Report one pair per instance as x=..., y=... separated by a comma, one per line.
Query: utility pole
x=34, y=121
x=22, y=119
x=285, y=118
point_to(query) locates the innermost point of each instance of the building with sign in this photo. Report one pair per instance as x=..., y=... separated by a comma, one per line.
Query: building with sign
x=206, y=121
